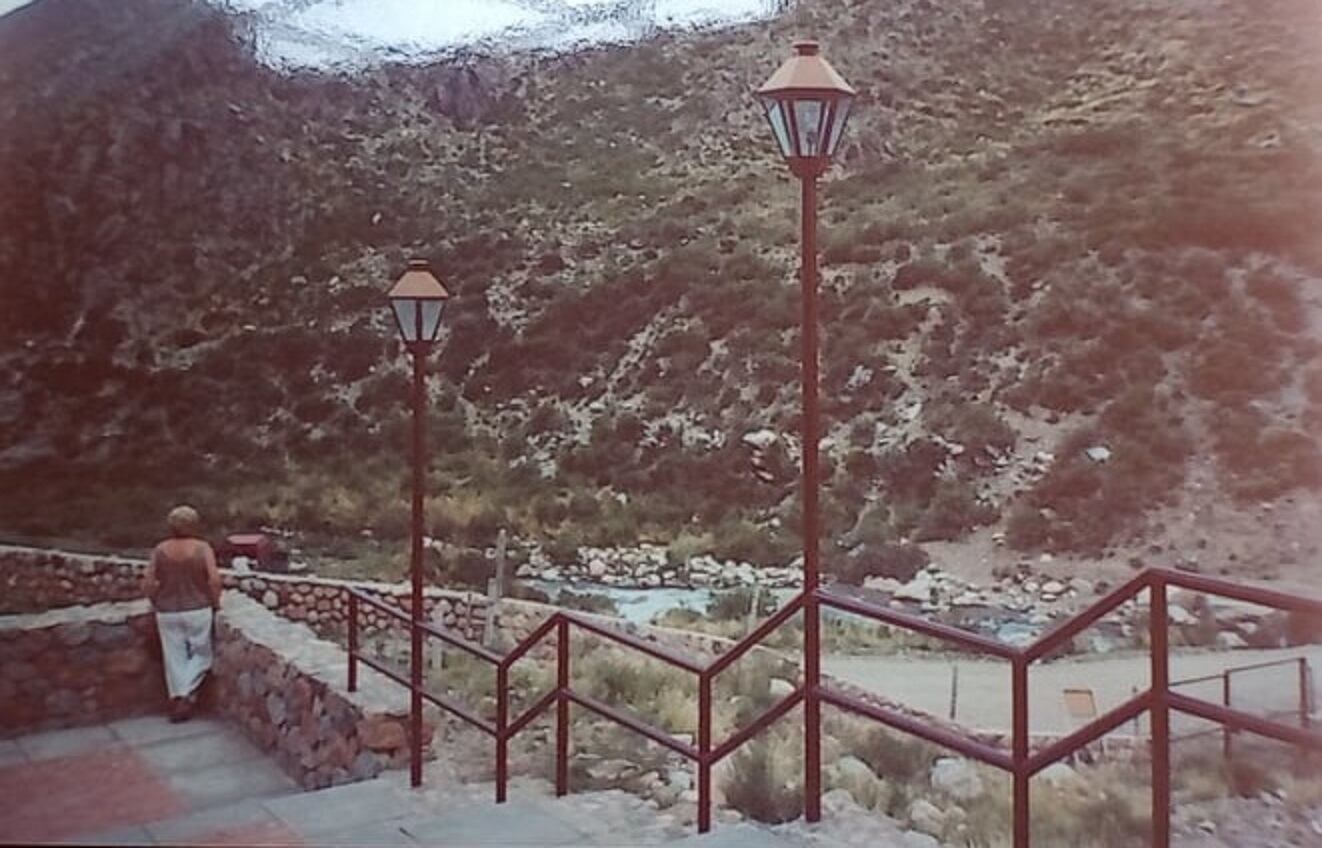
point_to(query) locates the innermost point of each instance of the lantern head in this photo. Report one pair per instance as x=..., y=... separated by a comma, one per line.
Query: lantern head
x=418, y=299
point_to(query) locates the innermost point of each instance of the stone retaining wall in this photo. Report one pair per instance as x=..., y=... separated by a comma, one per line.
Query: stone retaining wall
x=78, y=665
x=286, y=689
x=33, y=579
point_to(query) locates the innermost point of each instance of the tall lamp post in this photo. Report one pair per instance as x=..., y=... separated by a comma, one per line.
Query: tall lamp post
x=417, y=299
x=807, y=103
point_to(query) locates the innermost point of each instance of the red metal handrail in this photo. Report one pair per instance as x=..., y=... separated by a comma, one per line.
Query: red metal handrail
x=1158, y=700
x=1089, y=616
x=1303, y=708
x=964, y=638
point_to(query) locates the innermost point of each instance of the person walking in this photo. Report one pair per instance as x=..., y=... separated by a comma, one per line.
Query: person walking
x=183, y=585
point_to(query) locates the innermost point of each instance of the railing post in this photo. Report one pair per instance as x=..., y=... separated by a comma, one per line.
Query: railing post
x=1019, y=752
x=1227, y=735
x=562, y=707
x=1161, y=731
x=1305, y=711
x=353, y=642
x=502, y=722
x=704, y=752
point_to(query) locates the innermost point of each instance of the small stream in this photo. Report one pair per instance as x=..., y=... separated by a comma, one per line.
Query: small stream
x=640, y=606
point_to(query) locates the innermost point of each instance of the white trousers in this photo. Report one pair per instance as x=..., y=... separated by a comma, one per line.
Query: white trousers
x=186, y=648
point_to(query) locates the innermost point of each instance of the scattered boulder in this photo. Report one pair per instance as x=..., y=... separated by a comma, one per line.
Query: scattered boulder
x=851, y=767
x=956, y=777
x=1229, y=640
x=926, y=817
x=381, y=734
x=1058, y=774
x=611, y=771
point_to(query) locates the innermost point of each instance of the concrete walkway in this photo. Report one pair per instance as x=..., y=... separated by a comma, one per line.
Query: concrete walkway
x=117, y=783
x=144, y=781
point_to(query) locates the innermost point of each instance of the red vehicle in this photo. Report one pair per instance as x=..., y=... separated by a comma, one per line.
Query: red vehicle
x=260, y=549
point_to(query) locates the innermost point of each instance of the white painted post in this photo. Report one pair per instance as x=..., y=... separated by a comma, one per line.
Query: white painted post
x=495, y=591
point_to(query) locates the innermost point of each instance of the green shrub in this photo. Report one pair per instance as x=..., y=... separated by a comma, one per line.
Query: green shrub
x=734, y=605
x=1027, y=528
x=976, y=426
x=742, y=540
x=898, y=758
x=468, y=568
x=887, y=559
x=953, y=512
x=762, y=789
x=1097, y=142
x=587, y=602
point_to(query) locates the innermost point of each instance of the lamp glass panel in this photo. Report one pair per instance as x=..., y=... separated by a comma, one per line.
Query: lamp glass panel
x=779, y=125
x=808, y=119
x=431, y=319
x=406, y=315
x=838, y=124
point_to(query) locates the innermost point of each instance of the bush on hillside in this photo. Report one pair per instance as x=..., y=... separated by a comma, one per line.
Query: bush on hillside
x=900, y=561
x=735, y=605
x=954, y=511
x=763, y=787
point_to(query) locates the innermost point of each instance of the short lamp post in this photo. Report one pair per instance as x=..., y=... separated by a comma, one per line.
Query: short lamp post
x=807, y=103
x=417, y=299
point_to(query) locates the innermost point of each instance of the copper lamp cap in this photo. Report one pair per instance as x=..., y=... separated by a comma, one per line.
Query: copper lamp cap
x=806, y=70
x=419, y=281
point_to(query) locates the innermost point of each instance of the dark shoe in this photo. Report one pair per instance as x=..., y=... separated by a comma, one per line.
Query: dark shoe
x=178, y=710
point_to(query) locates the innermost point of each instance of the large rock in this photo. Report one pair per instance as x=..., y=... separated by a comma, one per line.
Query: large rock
x=1181, y=617
x=366, y=765
x=1229, y=640
x=956, y=777
x=853, y=768
x=1058, y=774
x=611, y=771
x=926, y=817
x=920, y=589
x=379, y=733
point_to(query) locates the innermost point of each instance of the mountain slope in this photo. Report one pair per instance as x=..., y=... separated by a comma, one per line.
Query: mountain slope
x=1070, y=271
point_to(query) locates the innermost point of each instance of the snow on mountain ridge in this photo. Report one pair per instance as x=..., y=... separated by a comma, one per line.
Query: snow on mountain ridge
x=356, y=33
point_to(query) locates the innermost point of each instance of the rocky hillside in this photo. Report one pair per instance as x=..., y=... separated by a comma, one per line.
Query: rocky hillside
x=1071, y=270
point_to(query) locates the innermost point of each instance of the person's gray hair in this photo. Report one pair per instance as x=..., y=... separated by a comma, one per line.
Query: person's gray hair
x=183, y=520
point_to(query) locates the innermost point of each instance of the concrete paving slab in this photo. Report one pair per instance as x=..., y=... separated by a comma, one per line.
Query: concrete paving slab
x=514, y=823
x=742, y=835
x=341, y=808
x=218, y=747
x=224, y=784
x=267, y=835
x=144, y=730
x=184, y=828
x=84, y=794
x=391, y=832
x=10, y=753
x=66, y=743
x=129, y=837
